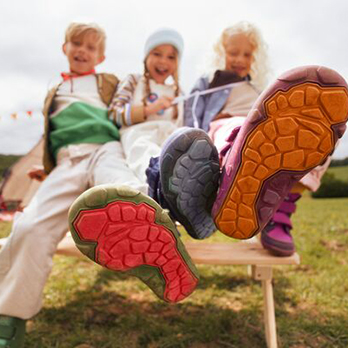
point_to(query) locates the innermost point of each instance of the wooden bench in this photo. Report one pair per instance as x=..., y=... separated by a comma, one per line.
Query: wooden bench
x=241, y=253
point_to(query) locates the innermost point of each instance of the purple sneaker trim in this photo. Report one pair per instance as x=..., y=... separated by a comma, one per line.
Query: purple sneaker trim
x=277, y=239
x=292, y=128
x=276, y=236
x=230, y=139
x=277, y=248
x=288, y=207
x=282, y=218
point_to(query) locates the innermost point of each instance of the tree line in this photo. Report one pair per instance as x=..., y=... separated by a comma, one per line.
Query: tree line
x=339, y=162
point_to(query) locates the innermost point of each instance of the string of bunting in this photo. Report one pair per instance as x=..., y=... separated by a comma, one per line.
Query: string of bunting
x=15, y=115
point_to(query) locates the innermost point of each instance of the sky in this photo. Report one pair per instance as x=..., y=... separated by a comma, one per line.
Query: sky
x=298, y=32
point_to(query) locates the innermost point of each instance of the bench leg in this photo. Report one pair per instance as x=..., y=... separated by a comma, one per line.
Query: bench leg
x=270, y=323
x=264, y=273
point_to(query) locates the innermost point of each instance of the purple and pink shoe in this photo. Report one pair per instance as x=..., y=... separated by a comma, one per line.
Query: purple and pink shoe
x=292, y=128
x=276, y=236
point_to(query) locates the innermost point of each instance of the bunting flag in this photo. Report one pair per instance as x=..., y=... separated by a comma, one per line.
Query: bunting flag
x=16, y=115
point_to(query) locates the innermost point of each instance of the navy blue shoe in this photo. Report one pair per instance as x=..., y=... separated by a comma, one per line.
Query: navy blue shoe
x=154, y=181
x=189, y=179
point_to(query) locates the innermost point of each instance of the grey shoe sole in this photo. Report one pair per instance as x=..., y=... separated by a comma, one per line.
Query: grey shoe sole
x=190, y=170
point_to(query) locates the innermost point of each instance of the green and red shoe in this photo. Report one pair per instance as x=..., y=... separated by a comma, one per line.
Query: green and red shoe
x=12, y=332
x=124, y=230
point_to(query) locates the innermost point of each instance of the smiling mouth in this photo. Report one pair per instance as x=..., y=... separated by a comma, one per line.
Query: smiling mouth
x=80, y=59
x=161, y=71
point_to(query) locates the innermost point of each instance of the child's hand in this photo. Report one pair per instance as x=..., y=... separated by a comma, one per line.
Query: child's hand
x=161, y=103
x=37, y=173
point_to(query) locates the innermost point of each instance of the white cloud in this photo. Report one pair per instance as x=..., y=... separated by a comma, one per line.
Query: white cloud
x=18, y=136
x=31, y=34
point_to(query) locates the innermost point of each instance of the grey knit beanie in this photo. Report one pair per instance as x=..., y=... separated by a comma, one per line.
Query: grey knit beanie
x=164, y=36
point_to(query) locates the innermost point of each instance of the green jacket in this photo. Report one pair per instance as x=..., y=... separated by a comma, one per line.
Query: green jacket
x=107, y=84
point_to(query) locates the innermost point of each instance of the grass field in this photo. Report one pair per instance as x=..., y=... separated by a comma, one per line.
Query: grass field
x=85, y=306
x=6, y=161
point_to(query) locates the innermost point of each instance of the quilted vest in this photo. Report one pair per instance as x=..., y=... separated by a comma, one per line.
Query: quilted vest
x=107, y=84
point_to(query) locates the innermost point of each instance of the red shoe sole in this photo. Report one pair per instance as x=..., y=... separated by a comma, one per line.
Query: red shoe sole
x=134, y=235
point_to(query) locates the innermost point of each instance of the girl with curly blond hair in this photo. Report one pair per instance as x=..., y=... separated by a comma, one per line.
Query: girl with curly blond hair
x=268, y=146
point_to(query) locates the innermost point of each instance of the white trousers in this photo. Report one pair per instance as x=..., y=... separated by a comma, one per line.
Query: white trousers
x=143, y=141
x=221, y=129
x=26, y=259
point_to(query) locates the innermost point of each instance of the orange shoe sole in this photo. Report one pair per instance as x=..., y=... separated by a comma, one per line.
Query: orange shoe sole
x=292, y=128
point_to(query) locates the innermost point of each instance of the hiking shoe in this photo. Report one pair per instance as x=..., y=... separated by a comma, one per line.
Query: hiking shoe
x=189, y=173
x=276, y=236
x=155, y=186
x=124, y=230
x=12, y=332
x=292, y=128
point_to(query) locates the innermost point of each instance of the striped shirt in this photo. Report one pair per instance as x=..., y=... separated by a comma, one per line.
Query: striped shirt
x=127, y=104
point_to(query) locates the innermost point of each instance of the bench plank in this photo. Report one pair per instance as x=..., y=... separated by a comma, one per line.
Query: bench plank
x=239, y=253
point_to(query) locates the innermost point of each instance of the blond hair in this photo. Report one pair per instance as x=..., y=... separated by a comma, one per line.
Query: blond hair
x=260, y=67
x=78, y=30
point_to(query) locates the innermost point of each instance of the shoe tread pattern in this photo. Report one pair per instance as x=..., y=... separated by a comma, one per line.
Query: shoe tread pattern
x=300, y=131
x=190, y=175
x=125, y=232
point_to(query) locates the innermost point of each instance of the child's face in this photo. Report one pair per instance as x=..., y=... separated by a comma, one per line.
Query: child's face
x=161, y=63
x=83, y=53
x=239, y=55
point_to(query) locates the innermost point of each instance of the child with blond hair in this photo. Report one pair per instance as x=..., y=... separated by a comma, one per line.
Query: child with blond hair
x=272, y=145
x=143, y=107
x=82, y=149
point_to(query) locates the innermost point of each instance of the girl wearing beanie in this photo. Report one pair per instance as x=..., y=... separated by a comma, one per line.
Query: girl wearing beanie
x=143, y=105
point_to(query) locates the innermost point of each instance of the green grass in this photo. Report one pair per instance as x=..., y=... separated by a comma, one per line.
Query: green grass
x=6, y=161
x=86, y=306
x=340, y=173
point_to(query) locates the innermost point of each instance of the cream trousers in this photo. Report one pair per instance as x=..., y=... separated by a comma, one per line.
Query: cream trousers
x=143, y=141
